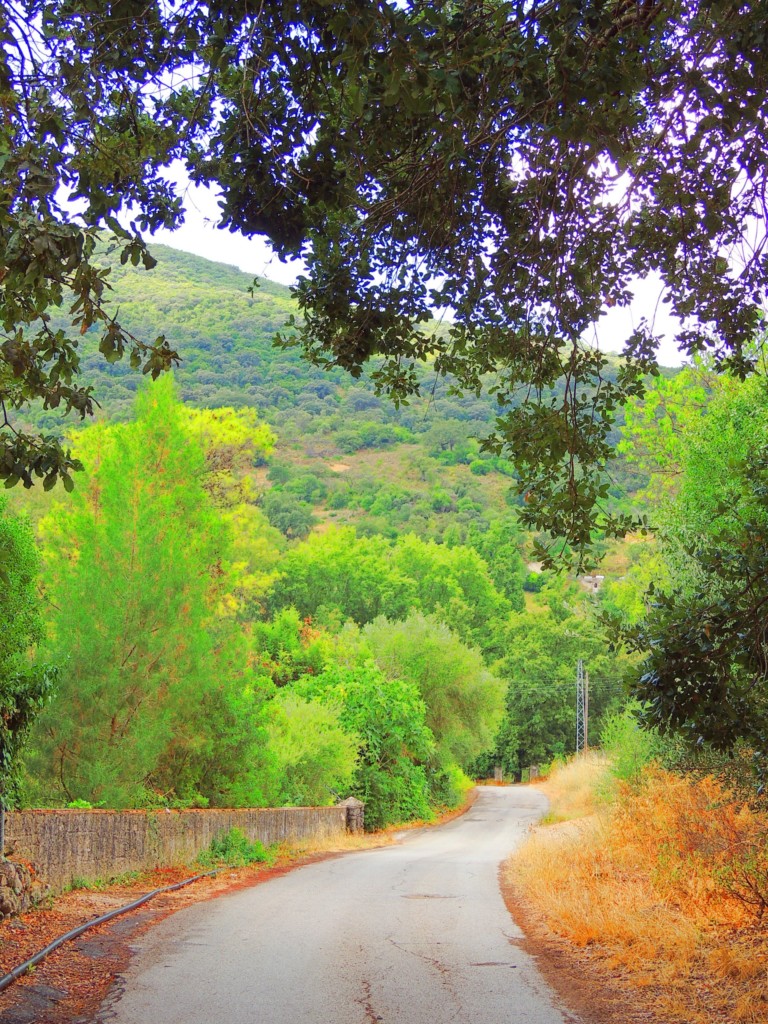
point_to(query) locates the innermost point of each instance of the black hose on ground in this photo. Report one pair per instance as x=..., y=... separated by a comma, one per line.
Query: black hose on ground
x=33, y=961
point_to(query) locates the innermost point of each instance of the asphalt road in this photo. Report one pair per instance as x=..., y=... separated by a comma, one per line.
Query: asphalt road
x=415, y=933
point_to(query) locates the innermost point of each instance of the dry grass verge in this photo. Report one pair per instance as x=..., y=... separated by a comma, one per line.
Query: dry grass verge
x=663, y=886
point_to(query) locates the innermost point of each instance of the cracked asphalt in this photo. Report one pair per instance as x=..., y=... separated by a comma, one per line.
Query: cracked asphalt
x=416, y=933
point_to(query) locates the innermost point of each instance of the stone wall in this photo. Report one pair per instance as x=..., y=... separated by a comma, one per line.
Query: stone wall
x=68, y=844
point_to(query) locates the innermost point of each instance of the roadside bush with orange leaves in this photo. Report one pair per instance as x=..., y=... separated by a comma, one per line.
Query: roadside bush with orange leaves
x=706, y=848
x=661, y=882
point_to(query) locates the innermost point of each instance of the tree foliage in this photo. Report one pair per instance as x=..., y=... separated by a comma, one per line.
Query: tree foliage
x=705, y=674
x=519, y=163
x=288, y=648
x=178, y=686
x=389, y=718
x=155, y=699
x=543, y=648
x=315, y=757
x=25, y=687
x=464, y=700
x=364, y=577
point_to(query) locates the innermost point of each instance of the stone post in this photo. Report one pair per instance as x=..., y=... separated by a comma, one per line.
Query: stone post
x=355, y=813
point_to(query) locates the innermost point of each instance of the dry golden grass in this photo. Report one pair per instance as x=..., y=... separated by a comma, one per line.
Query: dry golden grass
x=341, y=843
x=662, y=884
x=577, y=789
x=347, y=842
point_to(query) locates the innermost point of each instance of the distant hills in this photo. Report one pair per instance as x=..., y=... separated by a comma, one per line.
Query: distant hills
x=224, y=334
x=328, y=424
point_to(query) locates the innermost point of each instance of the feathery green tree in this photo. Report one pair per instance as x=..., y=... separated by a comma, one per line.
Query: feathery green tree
x=155, y=699
x=25, y=687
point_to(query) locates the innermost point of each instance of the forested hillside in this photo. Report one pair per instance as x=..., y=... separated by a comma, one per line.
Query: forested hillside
x=270, y=585
x=343, y=452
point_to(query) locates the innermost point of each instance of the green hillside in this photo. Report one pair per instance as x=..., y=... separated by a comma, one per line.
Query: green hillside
x=343, y=452
x=290, y=523
x=224, y=329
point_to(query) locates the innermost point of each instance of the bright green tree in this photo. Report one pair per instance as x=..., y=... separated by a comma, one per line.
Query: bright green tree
x=454, y=584
x=287, y=647
x=500, y=545
x=364, y=577
x=705, y=673
x=338, y=570
x=137, y=571
x=389, y=718
x=24, y=686
x=314, y=756
x=464, y=700
x=235, y=443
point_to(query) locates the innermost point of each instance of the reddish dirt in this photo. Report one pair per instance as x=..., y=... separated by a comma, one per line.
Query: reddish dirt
x=69, y=986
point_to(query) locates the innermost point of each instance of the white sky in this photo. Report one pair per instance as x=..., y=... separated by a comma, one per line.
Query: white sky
x=616, y=325
x=199, y=235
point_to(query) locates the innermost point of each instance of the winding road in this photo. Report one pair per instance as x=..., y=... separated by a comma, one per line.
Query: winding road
x=415, y=933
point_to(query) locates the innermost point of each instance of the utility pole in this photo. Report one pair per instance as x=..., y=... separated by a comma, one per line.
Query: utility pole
x=581, y=708
x=586, y=711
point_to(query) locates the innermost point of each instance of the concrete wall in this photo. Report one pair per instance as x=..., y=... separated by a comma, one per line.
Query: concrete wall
x=67, y=844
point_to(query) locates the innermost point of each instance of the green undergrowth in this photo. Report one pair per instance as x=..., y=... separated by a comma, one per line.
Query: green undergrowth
x=79, y=882
x=235, y=849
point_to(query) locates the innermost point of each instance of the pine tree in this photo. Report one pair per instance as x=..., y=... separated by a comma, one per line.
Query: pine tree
x=137, y=564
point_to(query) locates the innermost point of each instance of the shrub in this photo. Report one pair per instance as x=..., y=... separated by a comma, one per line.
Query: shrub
x=234, y=849
x=448, y=786
x=533, y=582
x=629, y=747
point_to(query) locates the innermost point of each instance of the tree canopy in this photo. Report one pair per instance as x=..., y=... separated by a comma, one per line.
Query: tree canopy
x=703, y=635
x=519, y=164
x=24, y=687
x=156, y=698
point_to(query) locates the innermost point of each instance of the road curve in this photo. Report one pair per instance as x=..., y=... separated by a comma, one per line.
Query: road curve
x=415, y=933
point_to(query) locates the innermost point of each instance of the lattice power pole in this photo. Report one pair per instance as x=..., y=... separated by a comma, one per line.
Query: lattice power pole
x=586, y=710
x=581, y=708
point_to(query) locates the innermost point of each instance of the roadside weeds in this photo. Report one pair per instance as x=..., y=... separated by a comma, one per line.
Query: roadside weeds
x=645, y=892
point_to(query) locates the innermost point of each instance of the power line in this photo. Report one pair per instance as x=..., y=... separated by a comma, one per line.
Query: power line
x=597, y=688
